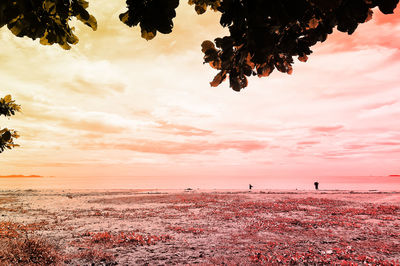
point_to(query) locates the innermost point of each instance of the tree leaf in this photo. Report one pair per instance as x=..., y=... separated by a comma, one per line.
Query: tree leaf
x=206, y=45
x=92, y=22
x=6, y=137
x=218, y=79
x=7, y=98
x=148, y=35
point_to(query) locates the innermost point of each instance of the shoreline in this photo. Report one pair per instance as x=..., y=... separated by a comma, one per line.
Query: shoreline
x=207, y=191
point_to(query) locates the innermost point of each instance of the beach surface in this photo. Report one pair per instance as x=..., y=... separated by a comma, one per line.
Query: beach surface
x=155, y=227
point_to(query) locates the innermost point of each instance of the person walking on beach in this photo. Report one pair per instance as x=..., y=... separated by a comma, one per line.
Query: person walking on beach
x=316, y=185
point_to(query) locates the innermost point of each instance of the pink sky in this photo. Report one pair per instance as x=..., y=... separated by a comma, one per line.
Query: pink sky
x=125, y=111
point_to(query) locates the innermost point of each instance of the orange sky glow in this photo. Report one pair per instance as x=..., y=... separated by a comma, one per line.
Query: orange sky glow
x=117, y=111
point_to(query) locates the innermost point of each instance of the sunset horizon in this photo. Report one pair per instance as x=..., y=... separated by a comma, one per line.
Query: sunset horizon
x=146, y=109
x=200, y=132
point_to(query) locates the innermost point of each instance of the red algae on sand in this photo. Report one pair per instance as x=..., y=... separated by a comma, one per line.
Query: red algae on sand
x=133, y=227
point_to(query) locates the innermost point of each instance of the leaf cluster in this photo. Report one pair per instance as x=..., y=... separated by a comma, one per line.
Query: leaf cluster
x=264, y=35
x=201, y=5
x=151, y=15
x=267, y=34
x=47, y=20
x=8, y=107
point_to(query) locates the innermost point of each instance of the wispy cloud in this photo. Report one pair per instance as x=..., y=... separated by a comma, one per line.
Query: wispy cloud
x=171, y=147
x=327, y=128
x=182, y=129
x=81, y=85
x=308, y=142
x=379, y=105
x=20, y=176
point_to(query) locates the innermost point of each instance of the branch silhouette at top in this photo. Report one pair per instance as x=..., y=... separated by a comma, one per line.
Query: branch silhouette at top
x=263, y=34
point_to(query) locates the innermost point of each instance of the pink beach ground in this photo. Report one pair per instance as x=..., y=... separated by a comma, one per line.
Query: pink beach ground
x=208, y=227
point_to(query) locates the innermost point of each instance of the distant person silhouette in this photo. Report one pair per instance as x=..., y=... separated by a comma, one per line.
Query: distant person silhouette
x=250, y=186
x=316, y=185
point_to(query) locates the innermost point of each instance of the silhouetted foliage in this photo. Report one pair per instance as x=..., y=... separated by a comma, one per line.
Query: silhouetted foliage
x=152, y=16
x=47, y=20
x=264, y=34
x=8, y=107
